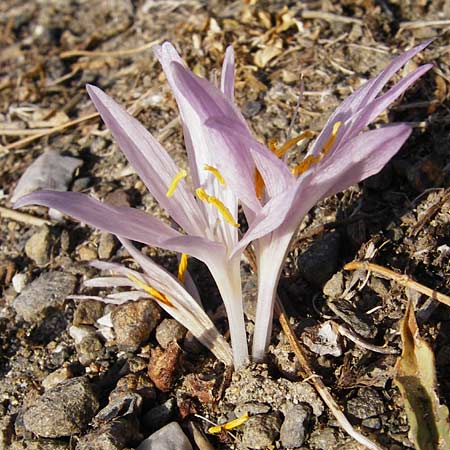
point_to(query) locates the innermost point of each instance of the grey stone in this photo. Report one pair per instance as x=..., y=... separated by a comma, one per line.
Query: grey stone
x=374, y=423
x=133, y=322
x=347, y=312
x=261, y=431
x=89, y=349
x=334, y=287
x=106, y=246
x=366, y=404
x=169, y=330
x=49, y=171
x=88, y=312
x=38, y=246
x=64, y=410
x=158, y=416
x=323, y=439
x=115, y=435
x=294, y=428
x=47, y=291
x=170, y=437
x=319, y=262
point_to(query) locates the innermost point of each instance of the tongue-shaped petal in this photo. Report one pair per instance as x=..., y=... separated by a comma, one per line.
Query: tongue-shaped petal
x=151, y=161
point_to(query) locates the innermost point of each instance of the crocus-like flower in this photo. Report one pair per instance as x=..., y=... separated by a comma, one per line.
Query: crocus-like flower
x=171, y=295
x=207, y=214
x=341, y=156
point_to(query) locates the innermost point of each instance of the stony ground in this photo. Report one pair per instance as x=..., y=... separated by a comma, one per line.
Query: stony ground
x=68, y=381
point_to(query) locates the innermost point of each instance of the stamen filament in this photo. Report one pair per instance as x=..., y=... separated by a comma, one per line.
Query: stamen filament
x=229, y=425
x=151, y=290
x=330, y=141
x=216, y=173
x=176, y=179
x=314, y=159
x=182, y=267
x=202, y=195
x=291, y=142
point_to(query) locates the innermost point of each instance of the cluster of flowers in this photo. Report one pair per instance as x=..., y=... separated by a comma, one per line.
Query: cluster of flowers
x=228, y=168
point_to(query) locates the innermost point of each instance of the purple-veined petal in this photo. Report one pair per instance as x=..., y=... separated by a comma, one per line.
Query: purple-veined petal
x=363, y=96
x=151, y=161
x=186, y=311
x=363, y=156
x=227, y=77
x=123, y=221
x=381, y=103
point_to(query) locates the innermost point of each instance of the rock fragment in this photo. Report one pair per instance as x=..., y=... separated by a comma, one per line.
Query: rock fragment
x=170, y=437
x=64, y=410
x=37, y=247
x=261, y=431
x=295, y=425
x=47, y=291
x=133, y=322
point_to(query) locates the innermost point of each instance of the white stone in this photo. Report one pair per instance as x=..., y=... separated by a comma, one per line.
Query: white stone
x=19, y=281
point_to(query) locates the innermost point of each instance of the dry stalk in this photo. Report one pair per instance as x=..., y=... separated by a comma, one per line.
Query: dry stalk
x=22, y=217
x=401, y=279
x=114, y=53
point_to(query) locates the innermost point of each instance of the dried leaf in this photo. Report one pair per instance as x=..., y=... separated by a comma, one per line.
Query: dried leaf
x=266, y=54
x=416, y=379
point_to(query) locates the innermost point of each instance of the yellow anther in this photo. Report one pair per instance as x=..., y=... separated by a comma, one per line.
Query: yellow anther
x=216, y=173
x=151, y=290
x=311, y=159
x=259, y=185
x=182, y=267
x=289, y=144
x=229, y=425
x=176, y=179
x=202, y=195
x=305, y=165
x=330, y=141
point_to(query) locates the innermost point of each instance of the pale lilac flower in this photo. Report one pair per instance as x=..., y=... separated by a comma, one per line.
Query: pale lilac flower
x=172, y=296
x=207, y=214
x=341, y=156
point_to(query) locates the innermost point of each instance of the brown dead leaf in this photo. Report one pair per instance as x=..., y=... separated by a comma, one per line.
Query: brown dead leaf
x=416, y=379
x=265, y=55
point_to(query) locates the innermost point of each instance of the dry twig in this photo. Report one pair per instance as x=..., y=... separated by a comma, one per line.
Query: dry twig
x=401, y=279
x=22, y=217
x=329, y=17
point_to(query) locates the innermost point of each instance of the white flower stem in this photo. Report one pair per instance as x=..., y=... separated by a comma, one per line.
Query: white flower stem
x=228, y=279
x=270, y=251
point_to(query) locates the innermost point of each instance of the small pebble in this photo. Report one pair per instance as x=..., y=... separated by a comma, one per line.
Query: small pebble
x=170, y=437
x=261, y=431
x=334, y=287
x=38, y=246
x=366, y=404
x=133, y=322
x=169, y=330
x=56, y=377
x=88, y=312
x=19, y=281
x=295, y=425
x=323, y=439
x=63, y=410
x=48, y=291
x=87, y=253
x=106, y=246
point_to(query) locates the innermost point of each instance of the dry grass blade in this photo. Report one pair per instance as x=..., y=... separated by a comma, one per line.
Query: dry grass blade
x=318, y=383
x=404, y=280
x=114, y=53
x=22, y=217
x=50, y=131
